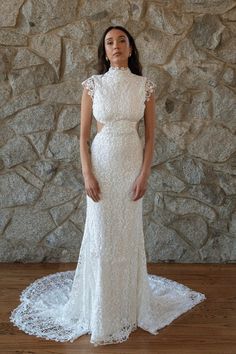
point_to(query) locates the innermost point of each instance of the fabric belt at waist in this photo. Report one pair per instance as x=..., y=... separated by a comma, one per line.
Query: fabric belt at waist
x=119, y=126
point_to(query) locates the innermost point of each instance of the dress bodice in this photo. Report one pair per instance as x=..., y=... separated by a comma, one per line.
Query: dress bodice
x=118, y=94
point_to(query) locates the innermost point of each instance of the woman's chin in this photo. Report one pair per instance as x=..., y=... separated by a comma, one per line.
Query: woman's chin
x=118, y=61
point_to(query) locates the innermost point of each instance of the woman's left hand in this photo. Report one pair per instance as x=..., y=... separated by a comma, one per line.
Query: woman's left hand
x=139, y=187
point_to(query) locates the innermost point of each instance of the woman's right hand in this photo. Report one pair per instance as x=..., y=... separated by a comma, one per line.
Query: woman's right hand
x=92, y=187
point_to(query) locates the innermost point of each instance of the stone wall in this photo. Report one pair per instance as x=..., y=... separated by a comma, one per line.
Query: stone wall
x=47, y=48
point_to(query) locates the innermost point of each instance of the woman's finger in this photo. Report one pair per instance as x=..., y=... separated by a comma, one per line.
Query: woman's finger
x=136, y=193
x=140, y=193
x=134, y=189
x=95, y=194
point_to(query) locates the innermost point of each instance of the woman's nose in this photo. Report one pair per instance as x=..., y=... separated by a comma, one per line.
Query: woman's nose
x=115, y=45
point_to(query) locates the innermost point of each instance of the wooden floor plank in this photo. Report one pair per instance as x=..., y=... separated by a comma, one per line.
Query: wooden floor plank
x=209, y=328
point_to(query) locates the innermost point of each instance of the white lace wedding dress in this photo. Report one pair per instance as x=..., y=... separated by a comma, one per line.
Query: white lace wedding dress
x=110, y=293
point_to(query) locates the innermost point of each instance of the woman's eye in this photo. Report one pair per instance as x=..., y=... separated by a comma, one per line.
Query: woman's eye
x=121, y=40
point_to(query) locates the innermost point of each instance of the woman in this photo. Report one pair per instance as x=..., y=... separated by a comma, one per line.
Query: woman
x=110, y=294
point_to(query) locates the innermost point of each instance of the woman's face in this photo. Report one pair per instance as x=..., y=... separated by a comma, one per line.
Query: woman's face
x=117, y=47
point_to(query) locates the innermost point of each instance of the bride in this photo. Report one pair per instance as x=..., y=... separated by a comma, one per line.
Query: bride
x=110, y=293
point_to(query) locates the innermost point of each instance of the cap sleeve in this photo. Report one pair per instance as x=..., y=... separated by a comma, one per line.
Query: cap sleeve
x=89, y=84
x=150, y=87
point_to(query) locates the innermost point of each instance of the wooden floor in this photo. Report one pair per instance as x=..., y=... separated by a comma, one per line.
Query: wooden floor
x=208, y=328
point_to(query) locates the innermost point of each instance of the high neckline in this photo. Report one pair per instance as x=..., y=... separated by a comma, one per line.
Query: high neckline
x=119, y=69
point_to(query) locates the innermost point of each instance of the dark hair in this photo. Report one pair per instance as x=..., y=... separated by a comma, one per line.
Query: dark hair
x=133, y=61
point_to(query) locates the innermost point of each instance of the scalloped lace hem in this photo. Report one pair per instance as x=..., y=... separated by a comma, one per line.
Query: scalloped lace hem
x=43, y=313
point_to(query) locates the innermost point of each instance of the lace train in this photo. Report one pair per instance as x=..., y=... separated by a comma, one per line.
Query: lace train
x=42, y=309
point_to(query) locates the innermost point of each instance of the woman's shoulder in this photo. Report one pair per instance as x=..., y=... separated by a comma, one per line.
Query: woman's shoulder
x=91, y=80
x=150, y=87
x=91, y=83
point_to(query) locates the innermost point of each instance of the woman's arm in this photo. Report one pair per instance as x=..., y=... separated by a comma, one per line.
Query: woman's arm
x=140, y=184
x=150, y=125
x=91, y=184
x=85, y=129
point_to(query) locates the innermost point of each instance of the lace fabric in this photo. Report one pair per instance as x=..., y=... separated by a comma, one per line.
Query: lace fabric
x=44, y=310
x=43, y=313
x=89, y=83
x=149, y=89
x=110, y=293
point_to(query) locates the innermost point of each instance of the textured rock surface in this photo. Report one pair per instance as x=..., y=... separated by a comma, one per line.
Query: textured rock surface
x=47, y=48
